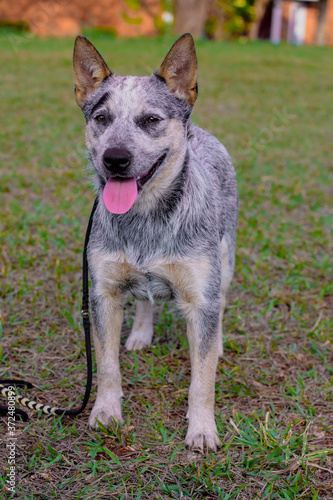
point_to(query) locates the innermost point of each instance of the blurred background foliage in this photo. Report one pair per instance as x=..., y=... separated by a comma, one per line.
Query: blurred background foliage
x=213, y=19
x=231, y=18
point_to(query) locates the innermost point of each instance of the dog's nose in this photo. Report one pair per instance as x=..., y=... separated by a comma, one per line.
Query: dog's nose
x=116, y=160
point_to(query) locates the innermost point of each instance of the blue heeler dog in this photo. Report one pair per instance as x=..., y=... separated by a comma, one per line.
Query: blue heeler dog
x=165, y=225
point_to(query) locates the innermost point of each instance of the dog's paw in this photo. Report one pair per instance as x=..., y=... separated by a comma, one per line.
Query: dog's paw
x=108, y=417
x=202, y=441
x=139, y=339
x=202, y=437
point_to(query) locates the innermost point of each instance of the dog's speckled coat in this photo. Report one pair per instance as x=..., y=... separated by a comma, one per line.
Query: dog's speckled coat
x=178, y=239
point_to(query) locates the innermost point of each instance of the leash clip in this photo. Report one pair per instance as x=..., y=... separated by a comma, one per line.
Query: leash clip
x=84, y=313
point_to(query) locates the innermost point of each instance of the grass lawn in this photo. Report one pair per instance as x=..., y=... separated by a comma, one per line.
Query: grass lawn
x=272, y=107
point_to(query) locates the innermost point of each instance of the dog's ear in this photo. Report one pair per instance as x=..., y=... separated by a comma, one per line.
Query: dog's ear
x=179, y=69
x=90, y=69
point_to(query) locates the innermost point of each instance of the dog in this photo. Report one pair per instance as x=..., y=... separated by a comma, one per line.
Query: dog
x=165, y=223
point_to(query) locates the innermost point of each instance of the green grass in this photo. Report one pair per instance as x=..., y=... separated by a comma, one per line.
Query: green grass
x=272, y=107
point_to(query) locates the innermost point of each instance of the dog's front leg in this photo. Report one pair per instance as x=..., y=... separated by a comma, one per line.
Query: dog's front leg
x=203, y=331
x=107, y=318
x=197, y=283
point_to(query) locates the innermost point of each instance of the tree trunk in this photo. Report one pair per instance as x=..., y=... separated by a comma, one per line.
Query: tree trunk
x=321, y=26
x=191, y=15
x=260, y=8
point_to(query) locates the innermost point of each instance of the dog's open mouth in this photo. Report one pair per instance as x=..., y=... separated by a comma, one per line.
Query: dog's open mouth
x=119, y=194
x=141, y=181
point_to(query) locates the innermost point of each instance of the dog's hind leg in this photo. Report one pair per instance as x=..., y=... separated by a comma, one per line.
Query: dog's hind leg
x=107, y=318
x=220, y=334
x=142, y=331
x=227, y=272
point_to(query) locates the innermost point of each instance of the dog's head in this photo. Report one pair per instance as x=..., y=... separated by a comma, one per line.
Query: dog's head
x=136, y=126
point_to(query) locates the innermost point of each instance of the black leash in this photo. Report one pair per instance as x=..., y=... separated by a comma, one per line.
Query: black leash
x=5, y=384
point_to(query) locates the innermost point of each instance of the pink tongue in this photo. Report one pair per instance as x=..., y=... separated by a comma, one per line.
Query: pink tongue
x=119, y=195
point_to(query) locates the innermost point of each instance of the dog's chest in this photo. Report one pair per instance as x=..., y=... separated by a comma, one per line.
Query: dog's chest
x=161, y=279
x=149, y=286
x=116, y=273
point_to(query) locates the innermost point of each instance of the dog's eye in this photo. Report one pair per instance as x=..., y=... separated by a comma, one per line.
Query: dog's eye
x=152, y=119
x=100, y=118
